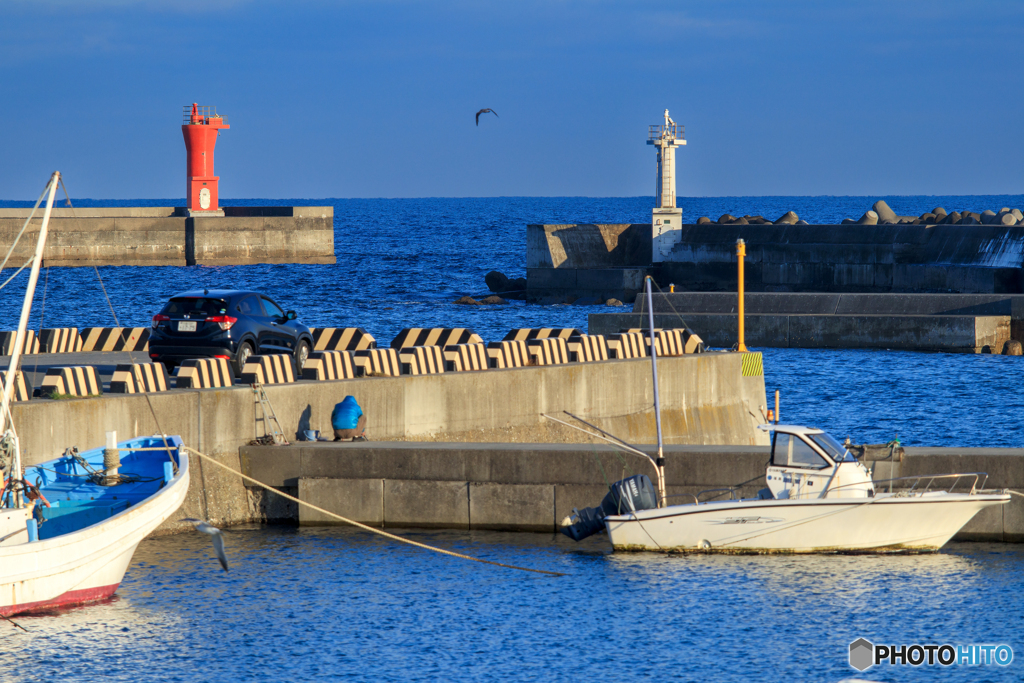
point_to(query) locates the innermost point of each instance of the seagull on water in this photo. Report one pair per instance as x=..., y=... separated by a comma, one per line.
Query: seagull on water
x=485, y=111
x=216, y=537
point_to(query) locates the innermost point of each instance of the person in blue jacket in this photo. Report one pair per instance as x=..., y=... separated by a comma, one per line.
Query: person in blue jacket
x=348, y=421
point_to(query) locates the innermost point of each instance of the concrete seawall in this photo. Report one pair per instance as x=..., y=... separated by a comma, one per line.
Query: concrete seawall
x=532, y=487
x=165, y=236
x=951, y=334
x=590, y=260
x=957, y=323
x=706, y=399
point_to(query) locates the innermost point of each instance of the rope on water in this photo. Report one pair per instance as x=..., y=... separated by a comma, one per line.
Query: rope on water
x=354, y=523
x=13, y=622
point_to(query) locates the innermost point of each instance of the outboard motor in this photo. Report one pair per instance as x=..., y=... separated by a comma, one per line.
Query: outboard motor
x=630, y=494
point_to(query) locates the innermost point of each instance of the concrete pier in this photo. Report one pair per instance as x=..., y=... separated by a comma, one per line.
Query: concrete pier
x=982, y=259
x=532, y=487
x=955, y=323
x=167, y=236
x=706, y=399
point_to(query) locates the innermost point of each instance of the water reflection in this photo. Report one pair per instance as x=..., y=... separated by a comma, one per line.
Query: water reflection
x=333, y=602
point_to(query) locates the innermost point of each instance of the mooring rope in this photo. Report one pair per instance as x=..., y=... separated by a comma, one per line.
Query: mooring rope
x=354, y=523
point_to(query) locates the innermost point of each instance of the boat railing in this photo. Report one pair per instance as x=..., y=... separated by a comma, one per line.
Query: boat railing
x=696, y=497
x=730, y=489
x=924, y=483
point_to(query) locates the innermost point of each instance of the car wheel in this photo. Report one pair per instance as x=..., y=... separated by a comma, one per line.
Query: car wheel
x=170, y=365
x=301, y=354
x=241, y=356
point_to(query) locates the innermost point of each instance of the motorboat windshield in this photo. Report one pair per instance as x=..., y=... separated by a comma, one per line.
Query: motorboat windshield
x=833, y=449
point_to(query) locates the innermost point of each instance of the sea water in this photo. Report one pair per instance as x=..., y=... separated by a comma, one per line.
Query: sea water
x=338, y=603
x=332, y=603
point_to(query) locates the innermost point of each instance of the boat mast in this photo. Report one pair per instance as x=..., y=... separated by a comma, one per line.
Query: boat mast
x=26, y=308
x=660, y=462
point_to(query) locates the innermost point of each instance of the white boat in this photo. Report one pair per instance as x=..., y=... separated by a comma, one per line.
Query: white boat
x=69, y=526
x=819, y=498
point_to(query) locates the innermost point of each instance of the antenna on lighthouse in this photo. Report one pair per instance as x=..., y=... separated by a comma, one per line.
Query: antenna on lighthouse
x=667, y=219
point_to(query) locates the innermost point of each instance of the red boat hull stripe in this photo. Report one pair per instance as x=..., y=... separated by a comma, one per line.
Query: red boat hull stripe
x=69, y=599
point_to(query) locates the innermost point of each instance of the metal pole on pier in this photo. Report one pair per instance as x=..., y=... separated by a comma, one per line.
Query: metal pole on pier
x=741, y=251
x=660, y=462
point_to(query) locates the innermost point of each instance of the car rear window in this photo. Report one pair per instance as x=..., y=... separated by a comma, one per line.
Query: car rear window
x=195, y=306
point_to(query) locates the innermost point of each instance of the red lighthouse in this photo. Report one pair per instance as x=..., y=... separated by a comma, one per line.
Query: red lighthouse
x=200, y=129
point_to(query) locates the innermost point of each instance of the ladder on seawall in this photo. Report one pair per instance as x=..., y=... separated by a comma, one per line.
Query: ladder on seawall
x=271, y=425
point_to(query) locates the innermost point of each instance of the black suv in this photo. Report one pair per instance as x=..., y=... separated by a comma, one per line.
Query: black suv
x=226, y=323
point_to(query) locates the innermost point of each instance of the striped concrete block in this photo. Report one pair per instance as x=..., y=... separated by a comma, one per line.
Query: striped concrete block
x=587, y=348
x=666, y=342
x=21, y=392
x=139, y=378
x=465, y=357
x=526, y=334
x=508, y=354
x=434, y=336
x=673, y=342
x=114, y=339
x=325, y=365
x=59, y=340
x=275, y=368
x=204, y=373
x=378, y=362
x=627, y=345
x=549, y=351
x=422, y=360
x=72, y=380
x=691, y=342
x=7, y=339
x=342, y=339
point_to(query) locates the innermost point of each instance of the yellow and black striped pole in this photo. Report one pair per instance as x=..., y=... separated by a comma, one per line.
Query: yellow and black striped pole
x=741, y=251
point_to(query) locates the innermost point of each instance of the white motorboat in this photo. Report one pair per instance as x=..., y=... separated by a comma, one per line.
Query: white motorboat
x=819, y=498
x=69, y=526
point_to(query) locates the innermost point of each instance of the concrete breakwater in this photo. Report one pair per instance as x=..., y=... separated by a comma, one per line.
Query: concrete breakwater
x=167, y=236
x=605, y=261
x=532, y=487
x=957, y=323
x=706, y=398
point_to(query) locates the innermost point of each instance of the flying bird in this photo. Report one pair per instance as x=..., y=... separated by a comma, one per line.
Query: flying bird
x=485, y=111
x=215, y=536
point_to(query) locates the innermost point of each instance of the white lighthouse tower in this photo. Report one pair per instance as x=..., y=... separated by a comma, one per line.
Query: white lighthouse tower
x=667, y=220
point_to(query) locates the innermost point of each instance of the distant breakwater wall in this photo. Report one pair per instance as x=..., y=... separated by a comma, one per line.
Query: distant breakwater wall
x=706, y=399
x=532, y=487
x=166, y=236
x=568, y=261
x=956, y=323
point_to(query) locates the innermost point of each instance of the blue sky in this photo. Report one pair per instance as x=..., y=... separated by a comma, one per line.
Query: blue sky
x=376, y=99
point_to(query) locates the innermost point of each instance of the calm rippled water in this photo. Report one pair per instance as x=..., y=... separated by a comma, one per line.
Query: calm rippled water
x=330, y=603
x=303, y=604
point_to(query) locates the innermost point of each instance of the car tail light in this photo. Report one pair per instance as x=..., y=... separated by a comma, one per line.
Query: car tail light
x=225, y=321
x=160, y=318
